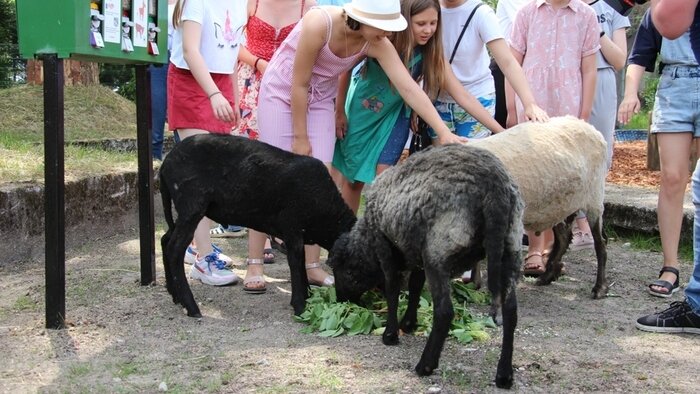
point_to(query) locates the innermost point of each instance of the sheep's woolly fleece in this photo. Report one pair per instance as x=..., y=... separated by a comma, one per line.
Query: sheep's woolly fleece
x=559, y=167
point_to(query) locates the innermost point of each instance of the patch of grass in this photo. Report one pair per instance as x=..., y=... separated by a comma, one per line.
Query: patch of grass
x=90, y=112
x=649, y=242
x=79, y=370
x=24, y=303
x=126, y=368
x=639, y=121
x=23, y=161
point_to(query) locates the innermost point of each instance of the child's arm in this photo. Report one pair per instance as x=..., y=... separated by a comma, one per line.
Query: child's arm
x=515, y=75
x=614, y=49
x=412, y=94
x=589, y=71
x=630, y=103
x=341, y=119
x=512, y=118
x=313, y=37
x=191, y=35
x=467, y=101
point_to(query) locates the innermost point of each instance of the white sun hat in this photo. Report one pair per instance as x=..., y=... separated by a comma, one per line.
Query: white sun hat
x=382, y=14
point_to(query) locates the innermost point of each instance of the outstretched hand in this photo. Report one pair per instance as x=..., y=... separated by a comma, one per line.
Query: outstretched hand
x=536, y=114
x=449, y=138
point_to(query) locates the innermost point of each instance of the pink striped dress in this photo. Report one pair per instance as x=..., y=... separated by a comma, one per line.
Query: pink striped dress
x=274, y=101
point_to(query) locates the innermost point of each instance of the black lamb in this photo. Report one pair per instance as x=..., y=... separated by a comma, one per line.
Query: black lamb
x=234, y=180
x=437, y=214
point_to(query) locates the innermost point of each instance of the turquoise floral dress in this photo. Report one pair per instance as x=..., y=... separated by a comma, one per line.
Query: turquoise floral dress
x=373, y=107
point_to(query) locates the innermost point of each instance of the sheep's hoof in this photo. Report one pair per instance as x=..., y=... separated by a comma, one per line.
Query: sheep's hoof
x=504, y=382
x=424, y=370
x=408, y=327
x=600, y=292
x=194, y=313
x=390, y=339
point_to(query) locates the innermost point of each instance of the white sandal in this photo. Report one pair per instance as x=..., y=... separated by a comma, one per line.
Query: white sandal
x=254, y=279
x=328, y=281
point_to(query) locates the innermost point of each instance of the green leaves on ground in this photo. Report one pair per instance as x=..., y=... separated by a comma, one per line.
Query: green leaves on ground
x=323, y=314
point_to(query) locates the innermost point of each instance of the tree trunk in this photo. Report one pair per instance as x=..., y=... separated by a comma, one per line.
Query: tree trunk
x=75, y=73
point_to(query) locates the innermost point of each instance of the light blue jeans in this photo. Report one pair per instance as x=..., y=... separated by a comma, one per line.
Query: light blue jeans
x=692, y=292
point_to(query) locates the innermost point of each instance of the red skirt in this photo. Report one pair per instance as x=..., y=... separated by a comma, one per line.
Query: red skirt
x=188, y=105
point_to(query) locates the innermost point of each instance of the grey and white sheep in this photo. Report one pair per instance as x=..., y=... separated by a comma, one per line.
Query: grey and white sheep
x=234, y=180
x=560, y=167
x=436, y=214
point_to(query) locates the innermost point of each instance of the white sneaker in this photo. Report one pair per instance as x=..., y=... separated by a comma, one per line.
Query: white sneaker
x=581, y=241
x=191, y=255
x=212, y=271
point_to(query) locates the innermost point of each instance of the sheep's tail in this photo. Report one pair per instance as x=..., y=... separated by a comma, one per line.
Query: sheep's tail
x=167, y=202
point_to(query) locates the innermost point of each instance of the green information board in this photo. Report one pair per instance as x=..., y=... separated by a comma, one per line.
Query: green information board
x=104, y=31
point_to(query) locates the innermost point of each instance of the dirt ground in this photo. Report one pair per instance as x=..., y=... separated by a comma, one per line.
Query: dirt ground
x=126, y=338
x=123, y=337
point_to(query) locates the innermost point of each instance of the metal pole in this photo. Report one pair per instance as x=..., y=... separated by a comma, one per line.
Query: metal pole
x=145, y=176
x=54, y=198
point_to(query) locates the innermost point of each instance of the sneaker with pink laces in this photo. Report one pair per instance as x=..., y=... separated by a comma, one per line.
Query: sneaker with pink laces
x=581, y=241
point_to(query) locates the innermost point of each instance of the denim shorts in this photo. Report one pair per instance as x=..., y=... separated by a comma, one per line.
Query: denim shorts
x=677, y=103
x=460, y=122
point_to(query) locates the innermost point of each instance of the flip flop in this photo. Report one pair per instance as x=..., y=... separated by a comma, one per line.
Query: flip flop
x=268, y=252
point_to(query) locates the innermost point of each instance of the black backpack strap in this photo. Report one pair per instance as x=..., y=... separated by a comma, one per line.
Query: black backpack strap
x=454, y=50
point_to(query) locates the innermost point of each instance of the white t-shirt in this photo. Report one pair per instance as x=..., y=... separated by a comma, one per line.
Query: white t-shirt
x=505, y=12
x=471, y=61
x=222, y=30
x=609, y=21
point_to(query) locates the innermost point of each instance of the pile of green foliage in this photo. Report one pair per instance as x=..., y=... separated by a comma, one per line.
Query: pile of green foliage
x=323, y=314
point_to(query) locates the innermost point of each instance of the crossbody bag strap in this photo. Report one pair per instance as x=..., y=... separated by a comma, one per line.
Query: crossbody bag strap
x=454, y=50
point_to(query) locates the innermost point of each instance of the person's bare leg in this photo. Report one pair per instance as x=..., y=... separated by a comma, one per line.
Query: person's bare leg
x=256, y=244
x=674, y=153
x=201, y=238
x=312, y=253
x=352, y=193
x=536, y=244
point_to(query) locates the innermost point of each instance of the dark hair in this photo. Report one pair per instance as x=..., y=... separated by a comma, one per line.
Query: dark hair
x=353, y=24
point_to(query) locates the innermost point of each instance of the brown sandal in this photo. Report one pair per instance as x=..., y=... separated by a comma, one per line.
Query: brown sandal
x=532, y=268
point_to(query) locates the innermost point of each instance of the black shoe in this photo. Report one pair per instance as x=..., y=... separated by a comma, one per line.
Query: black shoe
x=679, y=317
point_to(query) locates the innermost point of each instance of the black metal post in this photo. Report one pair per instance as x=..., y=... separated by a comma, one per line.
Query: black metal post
x=145, y=176
x=54, y=198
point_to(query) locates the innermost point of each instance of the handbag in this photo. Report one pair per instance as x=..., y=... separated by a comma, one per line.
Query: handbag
x=421, y=138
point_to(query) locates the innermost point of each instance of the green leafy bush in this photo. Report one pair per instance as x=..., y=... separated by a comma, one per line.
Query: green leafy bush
x=323, y=314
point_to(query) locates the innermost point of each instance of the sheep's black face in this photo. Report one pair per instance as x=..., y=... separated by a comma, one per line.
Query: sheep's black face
x=353, y=274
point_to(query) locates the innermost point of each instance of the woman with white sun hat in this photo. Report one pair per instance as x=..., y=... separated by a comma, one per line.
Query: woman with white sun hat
x=301, y=81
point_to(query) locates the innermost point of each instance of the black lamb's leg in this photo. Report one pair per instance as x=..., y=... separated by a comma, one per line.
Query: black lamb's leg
x=297, y=270
x=391, y=291
x=415, y=286
x=504, y=373
x=443, y=313
x=175, y=250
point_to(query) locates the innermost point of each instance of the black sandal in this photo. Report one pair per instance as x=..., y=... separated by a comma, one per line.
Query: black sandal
x=670, y=287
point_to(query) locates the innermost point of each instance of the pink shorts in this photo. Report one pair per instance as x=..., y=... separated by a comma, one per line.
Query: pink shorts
x=188, y=105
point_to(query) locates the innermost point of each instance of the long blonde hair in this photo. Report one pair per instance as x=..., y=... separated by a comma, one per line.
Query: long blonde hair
x=177, y=13
x=433, y=55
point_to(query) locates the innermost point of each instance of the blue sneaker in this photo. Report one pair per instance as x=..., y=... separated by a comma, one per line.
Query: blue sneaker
x=212, y=271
